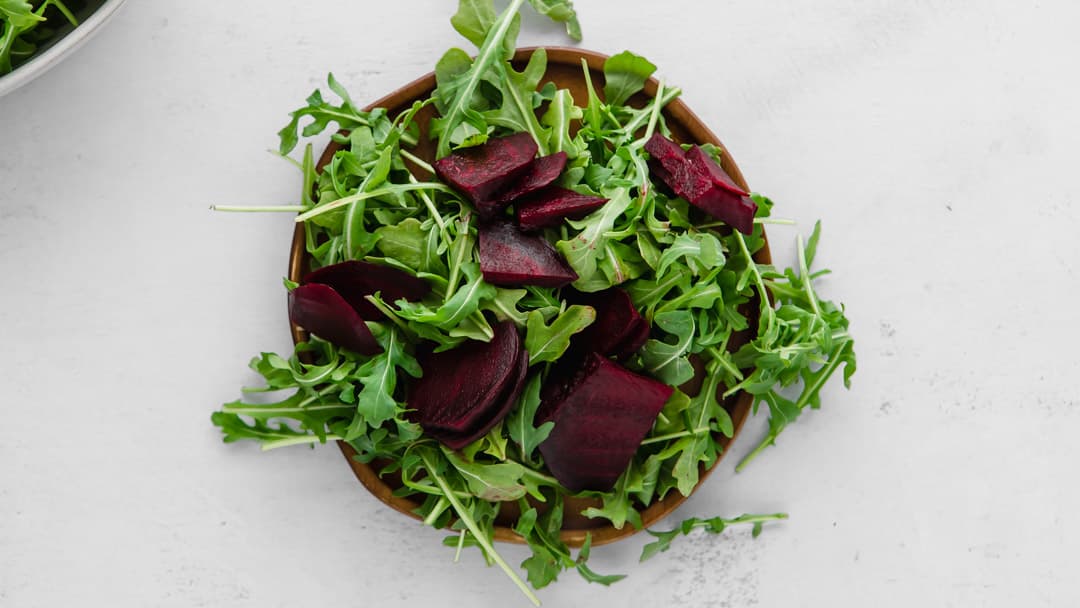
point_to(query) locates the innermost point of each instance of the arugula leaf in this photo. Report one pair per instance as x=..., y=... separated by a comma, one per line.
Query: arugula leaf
x=583, y=249
x=587, y=573
x=406, y=242
x=520, y=422
x=667, y=362
x=375, y=403
x=454, y=311
x=495, y=482
x=517, y=112
x=714, y=525
x=561, y=113
x=617, y=505
x=624, y=75
x=548, y=342
x=561, y=11
x=321, y=113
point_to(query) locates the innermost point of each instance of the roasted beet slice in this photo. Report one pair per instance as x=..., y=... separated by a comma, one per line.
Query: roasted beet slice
x=734, y=210
x=481, y=171
x=550, y=206
x=502, y=407
x=697, y=178
x=666, y=153
x=703, y=164
x=540, y=173
x=511, y=258
x=600, y=420
x=635, y=338
x=355, y=279
x=323, y=312
x=462, y=392
x=619, y=329
x=481, y=374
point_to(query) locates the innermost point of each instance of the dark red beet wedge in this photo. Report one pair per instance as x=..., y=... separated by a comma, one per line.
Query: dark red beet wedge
x=700, y=162
x=540, y=173
x=619, y=329
x=354, y=279
x=600, y=419
x=636, y=337
x=501, y=409
x=322, y=311
x=481, y=171
x=483, y=372
x=508, y=257
x=697, y=178
x=463, y=391
x=552, y=205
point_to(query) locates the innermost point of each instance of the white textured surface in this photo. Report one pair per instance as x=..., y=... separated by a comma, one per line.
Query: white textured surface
x=936, y=140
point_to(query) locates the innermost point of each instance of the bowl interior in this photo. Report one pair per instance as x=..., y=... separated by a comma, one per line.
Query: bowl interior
x=64, y=39
x=565, y=70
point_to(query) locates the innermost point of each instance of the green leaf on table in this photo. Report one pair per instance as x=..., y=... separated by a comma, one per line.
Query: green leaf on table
x=713, y=525
x=560, y=11
x=587, y=573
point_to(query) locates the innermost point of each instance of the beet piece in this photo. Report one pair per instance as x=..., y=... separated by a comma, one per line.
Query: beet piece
x=734, y=210
x=666, y=153
x=511, y=258
x=481, y=171
x=696, y=177
x=619, y=329
x=704, y=165
x=550, y=206
x=540, y=173
x=323, y=312
x=599, y=424
x=480, y=375
x=463, y=391
x=354, y=279
x=500, y=410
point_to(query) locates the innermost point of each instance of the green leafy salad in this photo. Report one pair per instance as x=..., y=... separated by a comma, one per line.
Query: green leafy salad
x=26, y=26
x=519, y=318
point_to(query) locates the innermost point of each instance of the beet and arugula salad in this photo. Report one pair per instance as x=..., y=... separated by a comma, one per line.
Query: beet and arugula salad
x=512, y=297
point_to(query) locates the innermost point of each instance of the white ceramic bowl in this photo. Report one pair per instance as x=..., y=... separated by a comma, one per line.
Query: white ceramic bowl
x=52, y=55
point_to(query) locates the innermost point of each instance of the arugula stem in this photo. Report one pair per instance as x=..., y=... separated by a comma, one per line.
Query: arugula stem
x=474, y=529
x=259, y=208
x=359, y=196
x=440, y=505
x=655, y=114
x=492, y=44
x=460, y=546
x=251, y=410
x=800, y=403
x=389, y=312
x=804, y=272
x=416, y=160
x=676, y=435
x=298, y=440
x=64, y=10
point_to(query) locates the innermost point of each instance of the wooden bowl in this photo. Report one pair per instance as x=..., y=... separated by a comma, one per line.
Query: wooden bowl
x=564, y=69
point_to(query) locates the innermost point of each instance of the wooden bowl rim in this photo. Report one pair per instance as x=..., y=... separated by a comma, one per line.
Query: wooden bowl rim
x=677, y=111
